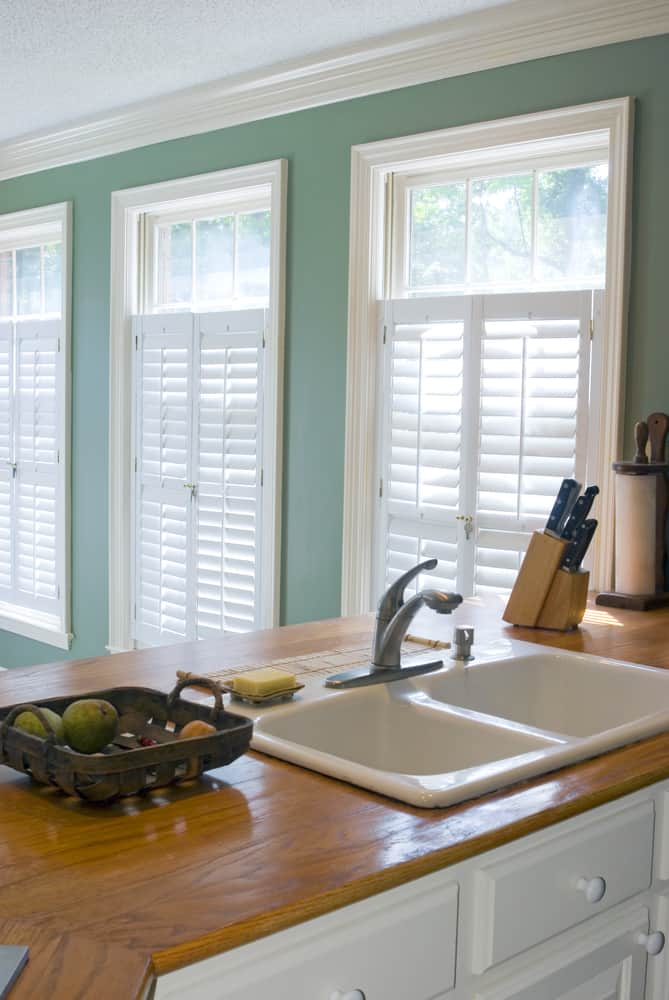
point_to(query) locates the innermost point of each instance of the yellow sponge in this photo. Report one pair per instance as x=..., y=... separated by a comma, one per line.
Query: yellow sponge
x=263, y=681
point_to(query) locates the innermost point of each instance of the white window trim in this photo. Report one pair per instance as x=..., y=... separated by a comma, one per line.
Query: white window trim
x=23, y=229
x=126, y=207
x=370, y=166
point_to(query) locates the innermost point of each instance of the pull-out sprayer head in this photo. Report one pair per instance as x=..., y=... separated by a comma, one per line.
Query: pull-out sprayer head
x=440, y=601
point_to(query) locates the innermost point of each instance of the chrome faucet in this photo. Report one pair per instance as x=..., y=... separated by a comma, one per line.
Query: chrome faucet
x=392, y=623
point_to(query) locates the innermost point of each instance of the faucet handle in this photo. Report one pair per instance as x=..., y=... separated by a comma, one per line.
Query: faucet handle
x=393, y=599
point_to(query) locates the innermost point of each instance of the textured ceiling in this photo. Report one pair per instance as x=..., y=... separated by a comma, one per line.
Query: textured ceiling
x=66, y=59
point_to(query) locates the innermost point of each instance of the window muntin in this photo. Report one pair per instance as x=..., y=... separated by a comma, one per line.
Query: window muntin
x=508, y=230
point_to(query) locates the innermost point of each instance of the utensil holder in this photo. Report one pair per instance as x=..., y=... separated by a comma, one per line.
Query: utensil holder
x=544, y=595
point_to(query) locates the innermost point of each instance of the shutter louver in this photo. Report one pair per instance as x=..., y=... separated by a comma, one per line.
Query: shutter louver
x=422, y=437
x=198, y=412
x=484, y=412
x=36, y=450
x=163, y=425
x=409, y=542
x=532, y=401
x=227, y=462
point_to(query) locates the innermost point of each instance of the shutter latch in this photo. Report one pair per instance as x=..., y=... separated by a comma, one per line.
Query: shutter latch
x=12, y=466
x=468, y=523
x=193, y=489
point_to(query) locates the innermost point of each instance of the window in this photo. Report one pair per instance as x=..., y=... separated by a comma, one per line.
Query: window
x=210, y=261
x=486, y=322
x=538, y=229
x=204, y=257
x=34, y=417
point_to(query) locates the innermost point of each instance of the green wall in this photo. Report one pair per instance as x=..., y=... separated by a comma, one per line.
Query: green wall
x=317, y=145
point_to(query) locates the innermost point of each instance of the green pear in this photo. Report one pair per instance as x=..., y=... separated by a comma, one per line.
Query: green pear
x=27, y=722
x=90, y=724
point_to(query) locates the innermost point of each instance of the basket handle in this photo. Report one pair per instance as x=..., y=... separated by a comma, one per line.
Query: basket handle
x=201, y=682
x=8, y=721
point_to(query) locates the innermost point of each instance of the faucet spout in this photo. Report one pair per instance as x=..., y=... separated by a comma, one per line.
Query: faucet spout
x=392, y=622
x=388, y=640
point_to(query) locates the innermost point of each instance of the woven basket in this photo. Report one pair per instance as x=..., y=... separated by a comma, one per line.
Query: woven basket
x=126, y=767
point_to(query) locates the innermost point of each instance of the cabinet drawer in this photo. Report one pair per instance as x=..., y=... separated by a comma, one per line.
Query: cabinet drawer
x=392, y=947
x=606, y=961
x=533, y=894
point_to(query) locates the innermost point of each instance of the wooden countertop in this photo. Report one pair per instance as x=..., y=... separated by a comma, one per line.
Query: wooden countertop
x=108, y=897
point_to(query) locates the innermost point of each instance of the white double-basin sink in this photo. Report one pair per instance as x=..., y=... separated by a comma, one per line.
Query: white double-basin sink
x=438, y=739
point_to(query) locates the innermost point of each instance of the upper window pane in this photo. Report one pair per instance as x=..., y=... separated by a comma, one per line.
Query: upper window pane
x=215, y=247
x=501, y=230
x=28, y=281
x=541, y=228
x=571, y=225
x=6, y=283
x=53, y=277
x=175, y=263
x=437, y=235
x=253, y=244
x=219, y=261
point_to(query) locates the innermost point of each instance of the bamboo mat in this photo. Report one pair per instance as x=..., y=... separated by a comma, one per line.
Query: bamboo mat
x=325, y=662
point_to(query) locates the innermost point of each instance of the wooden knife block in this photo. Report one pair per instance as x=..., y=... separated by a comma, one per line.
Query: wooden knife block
x=545, y=596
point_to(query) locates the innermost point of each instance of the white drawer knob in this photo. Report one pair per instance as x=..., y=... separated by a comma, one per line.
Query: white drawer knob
x=592, y=888
x=351, y=995
x=653, y=943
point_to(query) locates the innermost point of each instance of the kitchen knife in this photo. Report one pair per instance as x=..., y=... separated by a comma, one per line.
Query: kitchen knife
x=579, y=512
x=564, y=501
x=577, y=548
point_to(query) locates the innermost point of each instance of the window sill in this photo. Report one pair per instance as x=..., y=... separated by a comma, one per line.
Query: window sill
x=41, y=628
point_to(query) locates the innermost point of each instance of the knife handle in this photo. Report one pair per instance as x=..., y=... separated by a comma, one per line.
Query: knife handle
x=579, y=512
x=564, y=502
x=641, y=440
x=658, y=427
x=579, y=545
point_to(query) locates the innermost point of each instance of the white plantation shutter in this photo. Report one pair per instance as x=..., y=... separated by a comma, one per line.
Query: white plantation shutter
x=533, y=421
x=32, y=487
x=422, y=437
x=197, y=494
x=6, y=457
x=227, y=471
x=483, y=412
x=164, y=389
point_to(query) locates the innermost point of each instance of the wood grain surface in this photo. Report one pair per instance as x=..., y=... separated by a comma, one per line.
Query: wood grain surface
x=108, y=896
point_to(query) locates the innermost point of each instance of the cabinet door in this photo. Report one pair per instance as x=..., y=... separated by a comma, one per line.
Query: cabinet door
x=657, y=985
x=606, y=964
x=397, y=946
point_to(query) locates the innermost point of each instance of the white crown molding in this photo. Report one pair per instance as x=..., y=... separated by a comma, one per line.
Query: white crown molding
x=516, y=32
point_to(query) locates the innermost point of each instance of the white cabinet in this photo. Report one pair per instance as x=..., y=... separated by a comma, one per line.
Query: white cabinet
x=396, y=946
x=573, y=912
x=607, y=963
